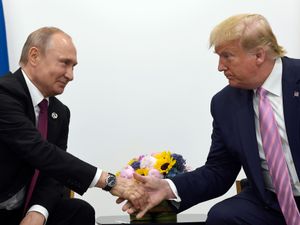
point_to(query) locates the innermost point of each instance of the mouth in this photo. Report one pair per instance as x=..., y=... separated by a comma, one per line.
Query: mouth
x=62, y=84
x=228, y=76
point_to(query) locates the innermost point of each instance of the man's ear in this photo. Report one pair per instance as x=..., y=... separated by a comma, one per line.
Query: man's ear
x=33, y=56
x=260, y=55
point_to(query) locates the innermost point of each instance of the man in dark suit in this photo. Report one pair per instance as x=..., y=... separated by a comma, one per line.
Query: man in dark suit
x=47, y=62
x=252, y=61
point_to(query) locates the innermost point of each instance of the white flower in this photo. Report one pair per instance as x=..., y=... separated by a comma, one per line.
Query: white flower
x=148, y=162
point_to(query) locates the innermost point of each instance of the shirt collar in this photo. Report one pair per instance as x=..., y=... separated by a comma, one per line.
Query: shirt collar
x=273, y=83
x=36, y=95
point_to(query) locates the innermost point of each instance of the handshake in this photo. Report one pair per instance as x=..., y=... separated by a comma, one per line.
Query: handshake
x=141, y=182
x=141, y=193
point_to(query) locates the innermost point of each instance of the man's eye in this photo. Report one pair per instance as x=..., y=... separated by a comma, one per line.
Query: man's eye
x=226, y=55
x=65, y=63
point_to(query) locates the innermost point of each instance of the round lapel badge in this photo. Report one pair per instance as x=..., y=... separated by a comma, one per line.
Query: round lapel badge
x=54, y=115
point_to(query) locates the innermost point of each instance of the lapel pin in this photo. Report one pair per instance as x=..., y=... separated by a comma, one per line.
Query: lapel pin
x=54, y=115
x=296, y=93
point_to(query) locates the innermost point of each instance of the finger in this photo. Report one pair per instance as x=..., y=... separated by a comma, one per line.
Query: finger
x=141, y=213
x=134, y=198
x=136, y=203
x=143, y=201
x=120, y=200
x=131, y=210
x=139, y=201
x=126, y=206
x=141, y=194
x=140, y=178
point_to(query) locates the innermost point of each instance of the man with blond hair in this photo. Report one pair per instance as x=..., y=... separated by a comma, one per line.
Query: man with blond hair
x=256, y=126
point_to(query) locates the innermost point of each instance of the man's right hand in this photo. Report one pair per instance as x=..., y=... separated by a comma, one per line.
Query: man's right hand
x=157, y=189
x=132, y=191
x=127, y=189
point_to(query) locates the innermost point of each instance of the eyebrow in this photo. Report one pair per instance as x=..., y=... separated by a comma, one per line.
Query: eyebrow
x=69, y=61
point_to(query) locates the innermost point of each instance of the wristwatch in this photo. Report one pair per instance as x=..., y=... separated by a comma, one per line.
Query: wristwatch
x=110, y=182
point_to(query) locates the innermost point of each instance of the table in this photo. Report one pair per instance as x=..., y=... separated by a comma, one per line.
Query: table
x=182, y=219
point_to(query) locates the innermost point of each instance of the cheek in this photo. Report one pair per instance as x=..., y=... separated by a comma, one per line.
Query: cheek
x=56, y=74
x=250, y=69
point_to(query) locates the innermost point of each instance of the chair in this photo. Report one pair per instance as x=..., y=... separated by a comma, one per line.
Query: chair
x=240, y=184
x=68, y=193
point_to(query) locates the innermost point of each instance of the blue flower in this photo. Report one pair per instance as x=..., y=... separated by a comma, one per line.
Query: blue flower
x=136, y=165
x=172, y=173
x=180, y=162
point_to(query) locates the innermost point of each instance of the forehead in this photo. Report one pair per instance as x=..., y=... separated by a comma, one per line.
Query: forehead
x=62, y=46
x=232, y=46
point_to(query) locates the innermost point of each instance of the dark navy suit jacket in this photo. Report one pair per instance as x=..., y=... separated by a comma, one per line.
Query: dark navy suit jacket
x=22, y=148
x=234, y=143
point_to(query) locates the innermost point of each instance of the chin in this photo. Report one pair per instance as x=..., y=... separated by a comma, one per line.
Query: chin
x=235, y=85
x=58, y=92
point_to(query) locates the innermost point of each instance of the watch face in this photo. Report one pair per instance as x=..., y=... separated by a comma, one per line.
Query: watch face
x=111, y=180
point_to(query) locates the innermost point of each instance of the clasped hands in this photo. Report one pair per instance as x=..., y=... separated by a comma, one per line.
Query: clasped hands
x=141, y=192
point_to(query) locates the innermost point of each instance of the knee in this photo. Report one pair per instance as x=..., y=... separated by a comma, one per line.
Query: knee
x=72, y=211
x=219, y=215
x=86, y=208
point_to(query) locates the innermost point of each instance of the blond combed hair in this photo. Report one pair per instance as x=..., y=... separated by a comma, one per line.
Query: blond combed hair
x=251, y=30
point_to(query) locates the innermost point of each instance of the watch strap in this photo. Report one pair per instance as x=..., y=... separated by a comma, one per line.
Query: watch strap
x=110, y=182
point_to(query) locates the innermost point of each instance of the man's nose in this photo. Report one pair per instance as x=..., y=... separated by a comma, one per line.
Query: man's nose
x=69, y=74
x=221, y=66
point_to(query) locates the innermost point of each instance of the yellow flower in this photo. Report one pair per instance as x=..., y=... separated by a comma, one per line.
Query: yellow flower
x=143, y=172
x=164, y=162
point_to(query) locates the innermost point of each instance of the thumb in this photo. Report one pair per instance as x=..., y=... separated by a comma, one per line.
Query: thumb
x=140, y=178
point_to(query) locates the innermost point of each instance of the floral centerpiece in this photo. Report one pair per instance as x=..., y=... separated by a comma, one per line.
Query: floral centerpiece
x=161, y=165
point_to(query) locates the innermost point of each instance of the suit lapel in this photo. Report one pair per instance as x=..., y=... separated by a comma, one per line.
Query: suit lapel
x=53, y=119
x=291, y=108
x=246, y=127
x=29, y=105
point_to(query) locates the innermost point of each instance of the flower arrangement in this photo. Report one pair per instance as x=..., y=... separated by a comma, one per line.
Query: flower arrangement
x=162, y=165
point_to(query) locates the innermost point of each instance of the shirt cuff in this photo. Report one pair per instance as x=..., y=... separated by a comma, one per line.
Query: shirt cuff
x=96, y=178
x=42, y=210
x=174, y=190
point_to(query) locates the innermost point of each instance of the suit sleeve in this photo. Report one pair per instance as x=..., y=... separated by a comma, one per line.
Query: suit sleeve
x=24, y=140
x=215, y=177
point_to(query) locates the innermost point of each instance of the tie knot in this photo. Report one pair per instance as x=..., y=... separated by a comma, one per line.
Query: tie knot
x=261, y=92
x=43, y=105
